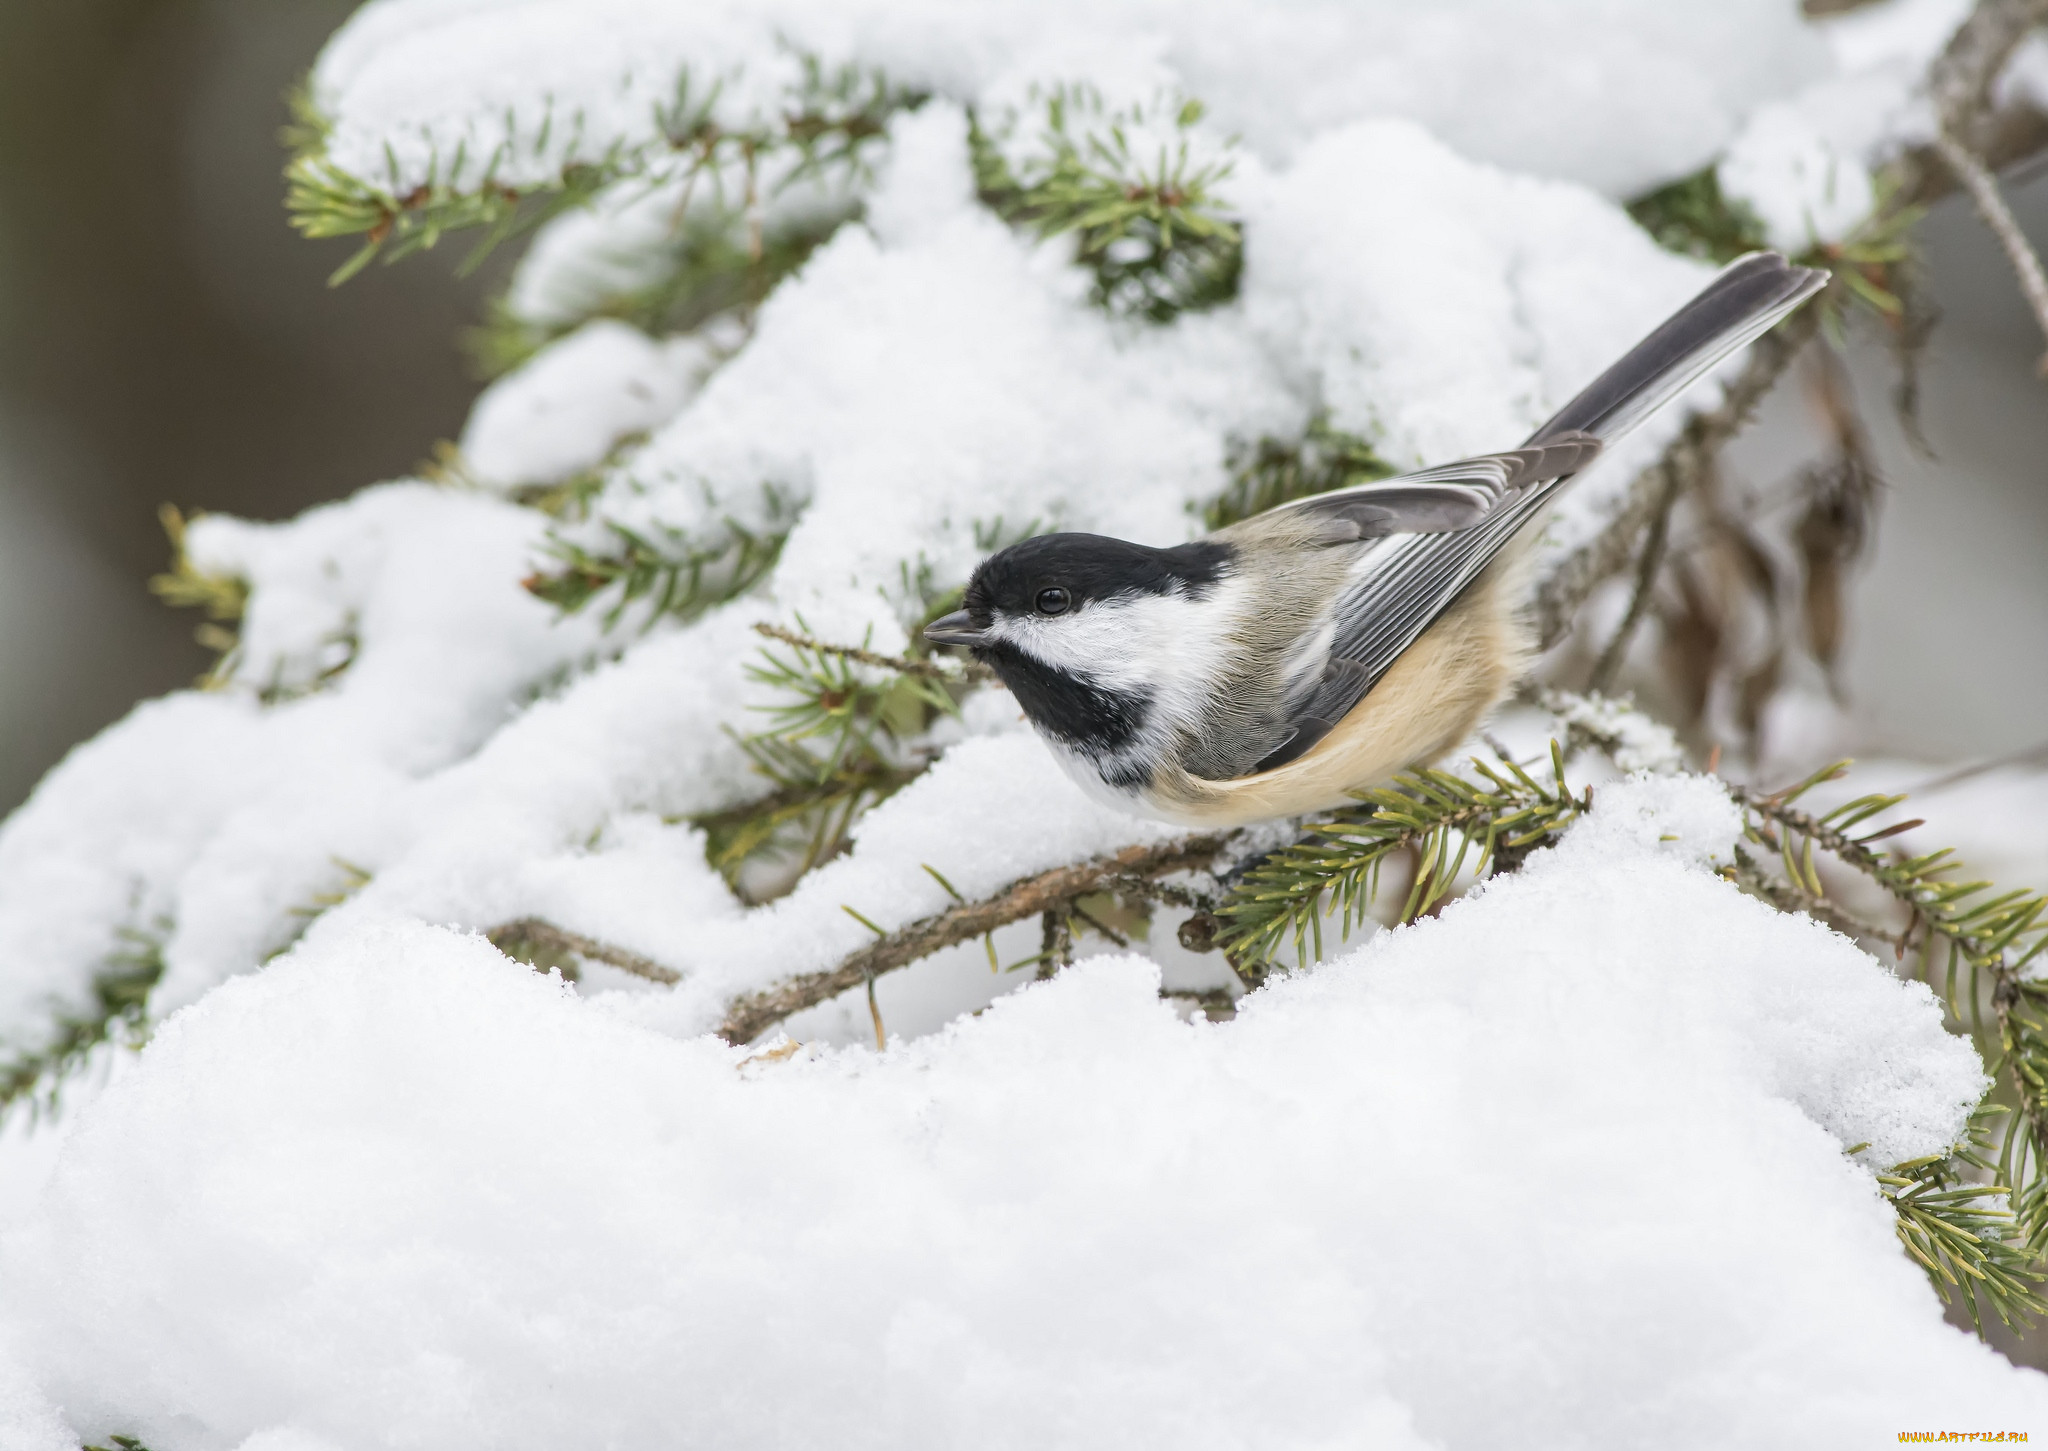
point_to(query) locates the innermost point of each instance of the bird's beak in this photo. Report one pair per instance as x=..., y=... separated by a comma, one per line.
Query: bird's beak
x=955, y=629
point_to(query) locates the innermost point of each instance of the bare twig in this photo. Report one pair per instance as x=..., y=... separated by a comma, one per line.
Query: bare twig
x=1960, y=80
x=1789, y=898
x=2034, y=755
x=902, y=665
x=529, y=936
x=748, y=1017
x=1218, y=1004
x=1977, y=180
x=1960, y=83
x=1056, y=940
x=1646, y=581
x=1579, y=573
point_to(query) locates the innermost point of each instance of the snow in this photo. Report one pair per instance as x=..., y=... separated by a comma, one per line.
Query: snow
x=1458, y=331
x=1635, y=741
x=1801, y=189
x=1633, y=92
x=376, y=1186
x=399, y=1192
x=565, y=410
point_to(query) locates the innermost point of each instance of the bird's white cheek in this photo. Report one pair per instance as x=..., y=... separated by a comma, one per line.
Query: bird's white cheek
x=1143, y=643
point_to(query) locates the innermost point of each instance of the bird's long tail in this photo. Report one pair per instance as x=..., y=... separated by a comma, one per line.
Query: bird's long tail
x=1417, y=576
x=1749, y=298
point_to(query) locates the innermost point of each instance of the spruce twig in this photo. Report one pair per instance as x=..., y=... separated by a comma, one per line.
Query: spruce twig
x=542, y=944
x=1964, y=1234
x=120, y=1000
x=860, y=655
x=1976, y=179
x=749, y=1016
x=1448, y=821
x=1151, y=227
x=1990, y=938
x=1654, y=540
x=832, y=120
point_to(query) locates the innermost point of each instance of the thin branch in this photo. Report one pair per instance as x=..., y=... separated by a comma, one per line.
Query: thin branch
x=902, y=665
x=1646, y=581
x=528, y=935
x=1982, y=186
x=1793, y=899
x=1579, y=573
x=1960, y=80
x=1218, y=1005
x=2034, y=755
x=749, y=1016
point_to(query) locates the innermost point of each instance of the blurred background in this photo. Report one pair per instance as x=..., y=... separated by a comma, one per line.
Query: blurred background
x=165, y=337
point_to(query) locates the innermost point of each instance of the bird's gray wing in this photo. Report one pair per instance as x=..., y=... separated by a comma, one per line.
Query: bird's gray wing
x=1443, y=499
x=1406, y=581
x=1411, y=574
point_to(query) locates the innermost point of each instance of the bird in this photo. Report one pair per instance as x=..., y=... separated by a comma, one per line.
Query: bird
x=1288, y=662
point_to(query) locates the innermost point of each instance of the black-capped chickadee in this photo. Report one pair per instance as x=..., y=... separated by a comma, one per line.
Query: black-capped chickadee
x=1283, y=663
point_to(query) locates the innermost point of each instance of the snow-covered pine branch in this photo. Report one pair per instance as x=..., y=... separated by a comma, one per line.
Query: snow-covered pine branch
x=822, y=302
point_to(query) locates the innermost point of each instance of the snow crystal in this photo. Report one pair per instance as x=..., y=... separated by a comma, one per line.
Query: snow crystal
x=1635, y=741
x=397, y=1191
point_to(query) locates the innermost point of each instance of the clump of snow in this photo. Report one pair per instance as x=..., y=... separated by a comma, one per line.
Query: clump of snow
x=626, y=240
x=398, y=1191
x=1633, y=740
x=206, y=825
x=1494, y=299
x=919, y=391
x=394, y=1190
x=436, y=742
x=566, y=409
x=1801, y=189
x=1633, y=92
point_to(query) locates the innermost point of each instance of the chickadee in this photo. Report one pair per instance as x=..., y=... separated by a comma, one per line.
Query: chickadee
x=1282, y=664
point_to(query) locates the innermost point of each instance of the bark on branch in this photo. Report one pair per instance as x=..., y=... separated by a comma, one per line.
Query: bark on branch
x=750, y=1016
x=1960, y=84
x=1977, y=180
x=531, y=940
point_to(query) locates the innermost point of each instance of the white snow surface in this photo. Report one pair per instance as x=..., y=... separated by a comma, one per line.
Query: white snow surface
x=929, y=376
x=1619, y=94
x=565, y=410
x=397, y=1191
x=394, y=1190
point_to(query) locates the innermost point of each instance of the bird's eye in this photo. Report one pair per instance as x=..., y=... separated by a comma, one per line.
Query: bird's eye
x=1054, y=601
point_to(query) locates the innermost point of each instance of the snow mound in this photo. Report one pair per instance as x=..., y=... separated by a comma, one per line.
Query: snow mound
x=565, y=410
x=400, y=1192
x=1619, y=94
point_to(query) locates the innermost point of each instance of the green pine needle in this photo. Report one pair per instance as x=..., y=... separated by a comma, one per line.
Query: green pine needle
x=679, y=577
x=120, y=996
x=1272, y=472
x=1448, y=822
x=1151, y=226
x=830, y=121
